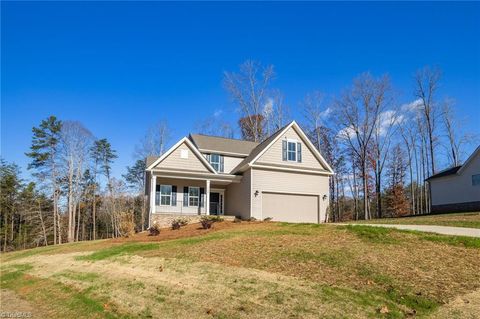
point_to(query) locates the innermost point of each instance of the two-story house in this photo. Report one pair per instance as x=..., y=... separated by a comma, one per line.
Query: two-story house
x=284, y=177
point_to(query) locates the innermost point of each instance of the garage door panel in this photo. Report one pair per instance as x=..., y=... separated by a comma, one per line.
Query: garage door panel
x=292, y=208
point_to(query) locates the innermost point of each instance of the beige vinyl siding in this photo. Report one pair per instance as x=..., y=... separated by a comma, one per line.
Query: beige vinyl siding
x=457, y=188
x=175, y=161
x=272, y=181
x=229, y=163
x=274, y=153
x=237, y=197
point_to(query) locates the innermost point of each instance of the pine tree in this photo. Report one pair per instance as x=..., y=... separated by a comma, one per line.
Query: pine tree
x=44, y=152
x=103, y=156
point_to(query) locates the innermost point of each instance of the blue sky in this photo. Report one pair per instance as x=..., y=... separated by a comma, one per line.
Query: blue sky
x=120, y=67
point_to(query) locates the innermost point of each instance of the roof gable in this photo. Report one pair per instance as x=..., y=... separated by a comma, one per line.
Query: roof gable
x=173, y=158
x=263, y=147
x=470, y=160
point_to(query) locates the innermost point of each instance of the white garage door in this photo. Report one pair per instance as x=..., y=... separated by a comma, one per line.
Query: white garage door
x=290, y=208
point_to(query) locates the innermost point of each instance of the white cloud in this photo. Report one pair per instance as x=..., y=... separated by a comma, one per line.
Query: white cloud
x=387, y=119
x=268, y=107
x=326, y=114
x=217, y=113
x=412, y=106
x=346, y=133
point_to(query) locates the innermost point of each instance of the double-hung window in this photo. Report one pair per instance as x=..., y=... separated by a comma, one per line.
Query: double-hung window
x=292, y=151
x=193, y=196
x=215, y=161
x=166, y=195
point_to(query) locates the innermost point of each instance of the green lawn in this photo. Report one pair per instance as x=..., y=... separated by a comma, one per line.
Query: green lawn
x=471, y=220
x=250, y=270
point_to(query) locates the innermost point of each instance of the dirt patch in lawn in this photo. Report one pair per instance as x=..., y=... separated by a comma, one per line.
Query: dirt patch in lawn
x=462, y=307
x=11, y=303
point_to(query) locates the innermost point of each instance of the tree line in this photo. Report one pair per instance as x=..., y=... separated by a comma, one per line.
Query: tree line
x=381, y=153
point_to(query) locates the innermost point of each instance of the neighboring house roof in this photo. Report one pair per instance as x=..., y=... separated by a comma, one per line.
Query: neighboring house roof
x=457, y=169
x=445, y=172
x=218, y=144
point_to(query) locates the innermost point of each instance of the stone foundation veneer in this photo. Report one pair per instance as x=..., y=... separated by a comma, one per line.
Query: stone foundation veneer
x=165, y=220
x=457, y=208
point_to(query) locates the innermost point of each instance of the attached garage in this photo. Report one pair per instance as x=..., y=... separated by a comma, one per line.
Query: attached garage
x=295, y=208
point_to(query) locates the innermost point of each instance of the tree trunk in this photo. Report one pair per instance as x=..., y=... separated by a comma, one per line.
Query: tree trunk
x=93, y=213
x=365, y=190
x=42, y=224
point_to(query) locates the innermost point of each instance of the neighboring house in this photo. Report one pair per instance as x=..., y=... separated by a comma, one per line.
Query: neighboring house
x=457, y=189
x=284, y=178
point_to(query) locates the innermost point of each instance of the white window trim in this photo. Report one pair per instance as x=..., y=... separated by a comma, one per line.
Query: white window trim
x=170, y=196
x=288, y=151
x=215, y=163
x=198, y=197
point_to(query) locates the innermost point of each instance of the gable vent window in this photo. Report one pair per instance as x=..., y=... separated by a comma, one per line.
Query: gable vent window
x=216, y=160
x=291, y=151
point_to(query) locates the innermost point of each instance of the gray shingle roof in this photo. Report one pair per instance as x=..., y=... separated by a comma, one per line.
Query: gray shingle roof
x=222, y=144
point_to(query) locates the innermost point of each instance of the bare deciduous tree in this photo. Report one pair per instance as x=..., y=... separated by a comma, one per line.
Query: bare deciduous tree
x=154, y=142
x=357, y=111
x=75, y=145
x=248, y=89
x=426, y=86
x=275, y=112
x=215, y=126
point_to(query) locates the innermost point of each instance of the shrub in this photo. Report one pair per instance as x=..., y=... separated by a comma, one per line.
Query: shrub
x=179, y=222
x=267, y=219
x=237, y=219
x=154, y=230
x=207, y=221
x=127, y=225
x=251, y=219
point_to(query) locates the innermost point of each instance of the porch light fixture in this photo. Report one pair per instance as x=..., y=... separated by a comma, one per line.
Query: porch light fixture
x=324, y=197
x=256, y=193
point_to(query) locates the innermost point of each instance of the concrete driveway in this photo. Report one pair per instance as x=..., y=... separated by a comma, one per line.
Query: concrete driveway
x=444, y=230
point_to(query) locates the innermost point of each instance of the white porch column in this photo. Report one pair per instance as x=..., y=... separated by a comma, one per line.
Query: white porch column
x=207, y=198
x=153, y=184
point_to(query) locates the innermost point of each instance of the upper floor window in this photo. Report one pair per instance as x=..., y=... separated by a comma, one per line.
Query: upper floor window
x=476, y=180
x=216, y=160
x=292, y=151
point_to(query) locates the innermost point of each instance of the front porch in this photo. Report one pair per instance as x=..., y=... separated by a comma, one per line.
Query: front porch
x=172, y=194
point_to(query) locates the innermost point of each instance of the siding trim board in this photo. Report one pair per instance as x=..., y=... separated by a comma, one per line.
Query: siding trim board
x=288, y=169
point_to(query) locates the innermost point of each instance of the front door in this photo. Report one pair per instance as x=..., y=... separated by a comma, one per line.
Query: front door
x=216, y=203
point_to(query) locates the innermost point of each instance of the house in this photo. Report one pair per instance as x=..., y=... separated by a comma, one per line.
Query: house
x=284, y=178
x=457, y=189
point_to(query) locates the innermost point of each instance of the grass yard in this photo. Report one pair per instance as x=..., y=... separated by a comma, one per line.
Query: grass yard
x=471, y=220
x=250, y=270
